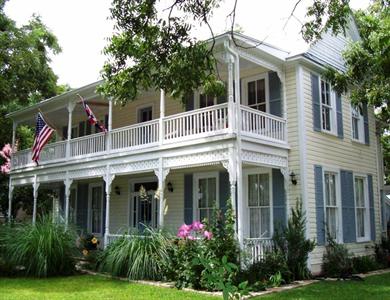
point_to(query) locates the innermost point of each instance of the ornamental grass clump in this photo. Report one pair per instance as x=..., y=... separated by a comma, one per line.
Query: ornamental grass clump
x=139, y=257
x=41, y=250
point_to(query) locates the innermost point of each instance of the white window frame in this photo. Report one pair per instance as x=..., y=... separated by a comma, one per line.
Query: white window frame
x=360, y=127
x=246, y=174
x=195, y=193
x=130, y=206
x=367, y=228
x=90, y=187
x=339, y=221
x=332, y=107
x=138, y=110
x=244, y=88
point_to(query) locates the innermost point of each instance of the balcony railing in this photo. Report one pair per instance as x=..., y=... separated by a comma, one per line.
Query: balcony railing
x=199, y=123
x=256, y=249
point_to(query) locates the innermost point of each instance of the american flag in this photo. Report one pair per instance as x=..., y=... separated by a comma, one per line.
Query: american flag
x=43, y=133
x=91, y=117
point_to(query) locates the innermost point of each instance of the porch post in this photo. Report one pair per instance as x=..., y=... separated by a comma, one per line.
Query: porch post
x=109, y=138
x=161, y=174
x=108, y=179
x=10, y=194
x=162, y=115
x=231, y=114
x=67, y=183
x=70, y=108
x=13, y=146
x=35, y=195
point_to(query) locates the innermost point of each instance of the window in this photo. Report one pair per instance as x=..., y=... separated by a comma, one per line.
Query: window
x=206, y=100
x=144, y=206
x=327, y=107
x=259, y=206
x=206, y=196
x=361, y=209
x=332, y=212
x=145, y=114
x=256, y=95
x=96, y=209
x=357, y=123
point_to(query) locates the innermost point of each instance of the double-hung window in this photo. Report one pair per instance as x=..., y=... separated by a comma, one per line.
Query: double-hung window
x=361, y=208
x=259, y=206
x=206, y=196
x=256, y=92
x=332, y=212
x=327, y=107
x=357, y=123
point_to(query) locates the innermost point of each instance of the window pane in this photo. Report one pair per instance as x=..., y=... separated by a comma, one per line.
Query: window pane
x=202, y=192
x=254, y=222
x=251, y=93
x=252, y=188
x=264, y=189
x=260, y=90
x=331, y=222
x=360, y=221
x=359, y=192
x=326, y=118
x=212, y=192
x=355, y=128
x=265, y=223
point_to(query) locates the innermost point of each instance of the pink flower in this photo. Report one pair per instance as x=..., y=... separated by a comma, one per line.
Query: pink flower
x=197, y=226
x=208, y=235
x=190, y=237
x=5, y=153
x=184, y=231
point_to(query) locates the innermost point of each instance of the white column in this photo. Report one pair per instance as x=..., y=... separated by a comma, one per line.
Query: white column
x=70, y=108
x=161, y=174
x=240, y=205
x=109, y=137
x=10, y=194
x=108, y=178
x=162, y=115
x=35, y=195
x=231, y=114
x=14, y=125
x=67, y=183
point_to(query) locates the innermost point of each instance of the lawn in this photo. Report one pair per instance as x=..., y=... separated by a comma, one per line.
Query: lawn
x=93, y=287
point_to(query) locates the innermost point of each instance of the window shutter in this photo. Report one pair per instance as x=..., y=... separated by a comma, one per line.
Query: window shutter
x=189, y=101
x=188, y=198
x=315, y=93
x=348, y=206
x=319, y=195
x=64, y=133
x=106, y=121
x=366, y=127
x=339, y=112
x=275, y=98
x=82, y=206
x=372, y=209
x=224, y=190
x=61, y=199
x=88, y=128
x=279, y=200
x=81, y=128
x=104, y=209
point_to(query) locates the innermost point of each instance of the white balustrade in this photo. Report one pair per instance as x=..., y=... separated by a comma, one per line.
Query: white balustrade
x=256, y=248
x=204, y=121
x=260, y=124
x=89, y=144
x=21, y=158
x=135, y=135
x=52, y=152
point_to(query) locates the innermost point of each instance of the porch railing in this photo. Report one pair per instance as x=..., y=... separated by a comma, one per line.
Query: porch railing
x=260, y=124
x=257, y=248
x=202, y=121
x=199, y=123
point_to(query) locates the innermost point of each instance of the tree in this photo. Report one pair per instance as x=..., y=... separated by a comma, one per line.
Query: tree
x=25, y=78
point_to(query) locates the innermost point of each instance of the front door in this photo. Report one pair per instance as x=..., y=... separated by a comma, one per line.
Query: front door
x=144, y=205
x=95, y=223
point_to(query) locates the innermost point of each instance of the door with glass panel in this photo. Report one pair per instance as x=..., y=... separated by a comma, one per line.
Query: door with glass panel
x=259, y=206
x=144, y=206
x=206, y=196
x=96, y=209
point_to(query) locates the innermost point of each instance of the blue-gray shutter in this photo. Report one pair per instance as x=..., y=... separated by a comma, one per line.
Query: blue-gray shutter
x=372, y=209
x=81, y=128
x=64, y=133
x=61, y=199
x=275, y=95
x=188, y=198
x=189, y=101
x=366, y=127
x=279, y=200
x=224, y=189
x=104, y=209
x=319, y=197
x=315, y=94
x=82, y=206
x=339, y=112
x=348, y=206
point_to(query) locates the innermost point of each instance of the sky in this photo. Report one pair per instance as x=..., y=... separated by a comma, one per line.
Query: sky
x=82, y=28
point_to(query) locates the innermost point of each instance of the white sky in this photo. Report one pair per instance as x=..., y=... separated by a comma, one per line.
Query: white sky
x=82, y=28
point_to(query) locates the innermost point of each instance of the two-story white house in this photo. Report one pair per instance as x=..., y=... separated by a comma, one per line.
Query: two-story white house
x=281, y=134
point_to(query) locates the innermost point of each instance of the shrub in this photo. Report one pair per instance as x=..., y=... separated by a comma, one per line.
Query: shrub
x=337, y=260
x=291, y=242
x=139, y=257
x=364, y=264
x=41, y=250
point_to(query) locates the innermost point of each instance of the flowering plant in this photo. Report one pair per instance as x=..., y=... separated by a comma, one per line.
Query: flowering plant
x=87, y=243
x=5, y=153
x=194, y=231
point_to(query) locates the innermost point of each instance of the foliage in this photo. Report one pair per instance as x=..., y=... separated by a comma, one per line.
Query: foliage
x=41, y=250
x=138, y=257
x=220, y=274
x=276, y=280
x=364, y=264
x=88, y=242
x=385, y=141
x=337, y=260
x=292, y=243
x=382, y=253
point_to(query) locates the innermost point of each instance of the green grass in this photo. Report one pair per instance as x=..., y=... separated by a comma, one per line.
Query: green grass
x=373, y=287
x=94, y=287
